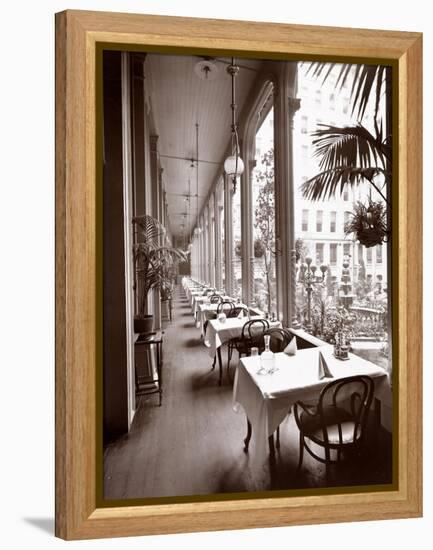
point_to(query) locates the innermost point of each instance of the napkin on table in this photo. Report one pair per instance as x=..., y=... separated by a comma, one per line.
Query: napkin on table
x=324, y=371
x=291, y=347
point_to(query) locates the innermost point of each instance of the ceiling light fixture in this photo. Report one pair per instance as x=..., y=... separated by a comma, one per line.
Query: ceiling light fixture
x=206, y=69
x=233, y=165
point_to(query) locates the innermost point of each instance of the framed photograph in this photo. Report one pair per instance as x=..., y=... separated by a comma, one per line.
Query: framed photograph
x=238, y=274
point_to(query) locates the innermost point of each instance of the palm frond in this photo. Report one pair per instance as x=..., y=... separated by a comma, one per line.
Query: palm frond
x=325, y=184
x=349, y=146
x=366, y=81
x=150, y=229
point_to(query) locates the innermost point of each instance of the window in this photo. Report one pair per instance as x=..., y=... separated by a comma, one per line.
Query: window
x=236, y=242
x=379, y=254
x=346, y=195
x=346, y=249
x=319, y=220
x=333, y=222
x=304, y=125
x=345, y=105
x=319, y=253
x=264, y=284
x=333, y=253
x=346, y=217
x=305, y=220
x=369, y=255
x=223, y=248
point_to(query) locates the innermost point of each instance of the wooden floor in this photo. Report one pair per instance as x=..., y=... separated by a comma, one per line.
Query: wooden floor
x=193, y=443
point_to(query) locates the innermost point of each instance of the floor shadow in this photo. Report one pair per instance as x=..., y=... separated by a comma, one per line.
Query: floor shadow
x=43, y=524
x=205, y=381
x=189, y=324
x=192, y=343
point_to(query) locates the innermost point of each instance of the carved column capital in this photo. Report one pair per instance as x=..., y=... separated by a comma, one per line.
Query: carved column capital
x=138, y=60
x=294, y=104
x=153, y=143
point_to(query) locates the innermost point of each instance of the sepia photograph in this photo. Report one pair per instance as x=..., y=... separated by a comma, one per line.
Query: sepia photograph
x=247, y=276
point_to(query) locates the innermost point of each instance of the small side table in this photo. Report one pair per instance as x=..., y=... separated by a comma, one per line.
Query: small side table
x=150, y=385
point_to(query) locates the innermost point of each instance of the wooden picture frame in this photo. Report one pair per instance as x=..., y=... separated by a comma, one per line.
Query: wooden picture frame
x=78, y=33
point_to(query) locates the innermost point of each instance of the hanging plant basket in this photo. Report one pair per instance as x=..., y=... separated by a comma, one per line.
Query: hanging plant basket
x=368, y=222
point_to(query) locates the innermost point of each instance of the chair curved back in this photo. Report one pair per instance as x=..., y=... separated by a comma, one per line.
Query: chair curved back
x=339, y=420
x=253, y=331
x=225, y=307
x=356, y=394
x=237, y=310
x=215, y=298
x=279, y=338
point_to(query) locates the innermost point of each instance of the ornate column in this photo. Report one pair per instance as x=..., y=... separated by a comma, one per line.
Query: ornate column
x=294, y=104
x=228, y=235
x=217, y=242
x=155, y=175
x=247, y=223
x=207, y=243
x=211, y=216
x=286, y=105
x=294, y=323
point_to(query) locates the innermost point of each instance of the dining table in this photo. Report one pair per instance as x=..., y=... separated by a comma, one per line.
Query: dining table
x=193, y=294
x=267, y=399
x=220, y=332
x=207, y=311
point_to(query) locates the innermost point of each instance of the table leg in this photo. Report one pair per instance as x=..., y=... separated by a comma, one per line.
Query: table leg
x=220, y=364
x=248, y=437
x=377, y=411
x=271, y=445
x=159, y=366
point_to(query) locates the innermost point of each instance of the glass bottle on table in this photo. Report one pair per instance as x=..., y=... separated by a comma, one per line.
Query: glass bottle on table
x=267, y=359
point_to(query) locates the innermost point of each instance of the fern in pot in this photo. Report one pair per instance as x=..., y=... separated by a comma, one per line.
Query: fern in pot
x=368, y=223
x=153, y=255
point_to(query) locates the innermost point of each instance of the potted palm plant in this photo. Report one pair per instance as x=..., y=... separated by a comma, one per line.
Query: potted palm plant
x=351, y=155
x=168, y=277
x=153, y=255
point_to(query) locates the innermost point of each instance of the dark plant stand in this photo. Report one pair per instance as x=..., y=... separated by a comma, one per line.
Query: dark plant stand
x=146, y=386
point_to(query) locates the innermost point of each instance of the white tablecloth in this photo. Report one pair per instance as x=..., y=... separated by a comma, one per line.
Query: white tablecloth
x=207, y=312
x=193, y=294
x=193, y=289
x=268, y=398
x=218, y=333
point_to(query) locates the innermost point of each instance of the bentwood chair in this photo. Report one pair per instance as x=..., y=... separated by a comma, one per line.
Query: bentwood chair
x=251, y=336
x=225, y=307
x=279, y=338
x=213, y=299
x=238, y=311
x=337, y=424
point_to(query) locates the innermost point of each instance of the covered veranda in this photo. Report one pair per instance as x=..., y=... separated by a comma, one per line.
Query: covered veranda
x=168, y=131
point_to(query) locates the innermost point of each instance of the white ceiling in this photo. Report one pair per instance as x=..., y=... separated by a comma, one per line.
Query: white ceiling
x=180, y=99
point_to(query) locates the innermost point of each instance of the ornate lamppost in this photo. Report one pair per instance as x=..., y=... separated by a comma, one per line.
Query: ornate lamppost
x=309, y=279
x=346, y=296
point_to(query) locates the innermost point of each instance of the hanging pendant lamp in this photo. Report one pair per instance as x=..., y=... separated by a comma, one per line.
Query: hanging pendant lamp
x=233, y=165
x=198, y=229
